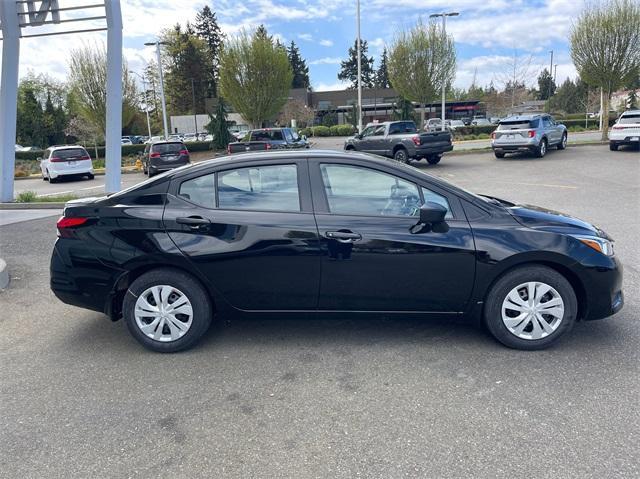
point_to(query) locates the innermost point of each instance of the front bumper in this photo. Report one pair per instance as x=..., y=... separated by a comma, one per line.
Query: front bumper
x=603, y=289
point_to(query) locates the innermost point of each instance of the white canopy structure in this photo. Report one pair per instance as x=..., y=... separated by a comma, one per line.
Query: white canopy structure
x=39, y=18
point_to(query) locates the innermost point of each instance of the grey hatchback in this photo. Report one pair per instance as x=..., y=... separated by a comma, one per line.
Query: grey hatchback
x=534, y=133
x=164, y=155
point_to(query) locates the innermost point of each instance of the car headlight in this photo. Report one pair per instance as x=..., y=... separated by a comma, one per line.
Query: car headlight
x=601, y=245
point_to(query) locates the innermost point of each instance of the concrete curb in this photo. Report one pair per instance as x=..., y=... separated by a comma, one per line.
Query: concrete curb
x=4, y=274
x=32, y=206
x=95, y=172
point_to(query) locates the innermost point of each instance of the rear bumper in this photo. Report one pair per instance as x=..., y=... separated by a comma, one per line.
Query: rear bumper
x=625, y=140
x=166, y=166
x=426, y=150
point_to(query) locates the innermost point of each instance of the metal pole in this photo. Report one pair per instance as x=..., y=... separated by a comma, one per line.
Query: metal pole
x=146, y=105
x=358, y=48
x=555, y=74
x=8, y=97
x=113, y=134
x=162, y=99
x=444, y=86
x=193, y=96
x=550, y=74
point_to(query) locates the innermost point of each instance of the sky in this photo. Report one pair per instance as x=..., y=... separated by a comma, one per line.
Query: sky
x=487, y=33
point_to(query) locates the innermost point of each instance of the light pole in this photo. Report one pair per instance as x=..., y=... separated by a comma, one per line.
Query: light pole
x=146, y=101
x=193, y=99
x=157, y=44
x=358, y=48
x=550, y=74
x=444, y=16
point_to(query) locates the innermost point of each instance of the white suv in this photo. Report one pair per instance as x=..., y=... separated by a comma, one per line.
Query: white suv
x=626, y=131
x=68, y=160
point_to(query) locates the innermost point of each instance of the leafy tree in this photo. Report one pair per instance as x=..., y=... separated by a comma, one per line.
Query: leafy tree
x=30, y=122
x=382, y=74
x=330, y=119
x=208, y=30
x=352, y=115
x=296, y=110
x=88, y=78
x=349, y=67
x=403, y=109
x=54, y=122
x=218, y=126
x=255, y=76
x=185, y=59
x=546, y=85
x=421, y=62
x=299, y=67
x=605, y=47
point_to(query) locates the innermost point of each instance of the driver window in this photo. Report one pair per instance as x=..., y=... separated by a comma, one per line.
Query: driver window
x=354, y=190
x=379, y=131
x=368, y=131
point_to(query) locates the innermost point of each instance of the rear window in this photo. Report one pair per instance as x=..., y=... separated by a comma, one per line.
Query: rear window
x=70, y=153
x=168, y=147
x=627, y=119
x=266, y=135
x=519, y=125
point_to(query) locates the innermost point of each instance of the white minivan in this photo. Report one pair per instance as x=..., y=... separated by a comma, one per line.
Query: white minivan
x=67, y=160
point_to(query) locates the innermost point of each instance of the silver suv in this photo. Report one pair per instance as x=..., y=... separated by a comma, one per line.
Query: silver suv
x=534, y=133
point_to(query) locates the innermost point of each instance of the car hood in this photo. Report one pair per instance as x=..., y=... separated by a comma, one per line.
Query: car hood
x=545, y=219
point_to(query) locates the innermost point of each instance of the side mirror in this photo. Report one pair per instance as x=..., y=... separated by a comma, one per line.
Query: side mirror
x=432, y=213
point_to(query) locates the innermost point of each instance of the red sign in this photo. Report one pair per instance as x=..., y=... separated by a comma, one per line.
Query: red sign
x=464, y=107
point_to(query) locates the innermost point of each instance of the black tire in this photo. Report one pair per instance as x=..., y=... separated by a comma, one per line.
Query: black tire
x=434, y=159
x=90, y=176
x=401, y=155
x=613, y=146
x=190, y=287
x=511, y=280
x=348, y=148
x=150, y=172
x=498, y=154
x=541, y=150
x=563, y=142
x=51, y=180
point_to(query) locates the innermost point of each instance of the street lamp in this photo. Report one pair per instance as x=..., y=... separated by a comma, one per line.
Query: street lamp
x=358, y=49
x=157, y=44
x=444, y=16
x=146, y=100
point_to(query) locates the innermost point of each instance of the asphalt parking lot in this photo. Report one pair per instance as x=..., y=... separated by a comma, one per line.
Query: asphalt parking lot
x=341, y=398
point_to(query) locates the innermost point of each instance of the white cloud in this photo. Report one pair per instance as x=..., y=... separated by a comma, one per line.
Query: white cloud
x=326, y=61
x=307, y=37
x=330, y=86
x=326, y=43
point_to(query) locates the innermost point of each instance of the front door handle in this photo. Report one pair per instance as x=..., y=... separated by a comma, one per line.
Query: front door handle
x=343, y=236
x=193, y=221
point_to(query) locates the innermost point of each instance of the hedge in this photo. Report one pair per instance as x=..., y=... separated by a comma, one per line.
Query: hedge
x=127, y=150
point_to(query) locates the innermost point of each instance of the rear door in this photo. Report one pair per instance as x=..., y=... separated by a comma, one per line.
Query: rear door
x=250, y=230
x=371, y=259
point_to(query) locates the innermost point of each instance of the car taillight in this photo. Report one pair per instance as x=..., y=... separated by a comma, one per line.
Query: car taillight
x=66, y=225
x=155, y=154
x=86, y=157
x=416, y=140
x=617, y=127
x=184, y=152
x=532, y=133
x=268, y=146
x=493, y=135
x=55, y=159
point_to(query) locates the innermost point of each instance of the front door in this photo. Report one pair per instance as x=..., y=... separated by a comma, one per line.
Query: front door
x=250, y=230
x=371, y=259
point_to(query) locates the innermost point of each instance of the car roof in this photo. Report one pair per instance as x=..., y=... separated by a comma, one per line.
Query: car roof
x=523, y=117
x=64, y=147
x=161, y=142
x=630, y=112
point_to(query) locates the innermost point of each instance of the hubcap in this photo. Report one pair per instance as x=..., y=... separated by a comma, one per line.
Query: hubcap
x=564, y=140
x=532, y=310
x=163, y=313
x=543, y=147
x=400, y=156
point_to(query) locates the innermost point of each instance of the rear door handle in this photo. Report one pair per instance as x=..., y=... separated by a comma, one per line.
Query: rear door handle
x=343, y=236
x=193, y=221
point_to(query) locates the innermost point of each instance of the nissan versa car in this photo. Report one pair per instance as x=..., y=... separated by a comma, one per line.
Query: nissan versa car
x=528, y=133
x=303, y=233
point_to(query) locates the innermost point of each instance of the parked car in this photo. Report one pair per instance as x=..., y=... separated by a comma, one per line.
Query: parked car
x=456, y=124
x=269, y=139
x=18, y=147
x=481, y=122
x=321, y=233
x=190, y=137
x=401, y=141
x=31, y=148
x=175, y=137
x=626, y=130
x=435, y=124
x=533, y=133
x=126, y=140
x=67, y=160
x=164, y=155
x=154, y=139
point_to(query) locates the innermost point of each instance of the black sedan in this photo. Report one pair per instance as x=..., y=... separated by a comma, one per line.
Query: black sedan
x=327, y=233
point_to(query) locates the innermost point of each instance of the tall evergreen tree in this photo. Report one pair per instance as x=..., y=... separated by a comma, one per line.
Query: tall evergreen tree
x=349, y=67
x=218, y=126
x=30, y=122
x=298, y=66
x=382, y=75
x=208, y=30
x=546, y=85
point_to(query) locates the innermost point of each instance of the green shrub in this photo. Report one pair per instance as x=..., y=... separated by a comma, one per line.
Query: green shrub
x=333, y=130
x=321, y=131
x=305, y=132
x=345, y=130
x=26, y=197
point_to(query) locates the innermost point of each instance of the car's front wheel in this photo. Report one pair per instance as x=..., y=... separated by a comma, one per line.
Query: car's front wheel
x=167, y=310
x=498, y=154
x=530, y=307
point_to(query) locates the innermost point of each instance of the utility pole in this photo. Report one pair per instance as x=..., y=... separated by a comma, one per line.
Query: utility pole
x=444, y=86
x=358, y=48
x=550, y=74
x=555, y=74
x=193, y=97
x=146, y=101
x=157, y=44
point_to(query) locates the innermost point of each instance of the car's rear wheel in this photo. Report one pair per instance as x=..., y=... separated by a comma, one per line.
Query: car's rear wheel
x=530, y=308
x=401, y=155
x=51, y=180
x=563, y=142
x=613, y=146
x=498, y=154
x=434, y=159
x=541, y=150
x=167, y=310
x=90, y=176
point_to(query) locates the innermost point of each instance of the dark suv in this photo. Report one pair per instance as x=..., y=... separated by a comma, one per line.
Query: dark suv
x=163, y=156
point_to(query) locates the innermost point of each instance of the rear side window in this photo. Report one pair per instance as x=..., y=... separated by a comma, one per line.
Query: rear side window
x=268, y=188
x=629, y=119
x=409, y=127
x=71, y=153
x=168, y=148
x=266, y=135
x=200, y=190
